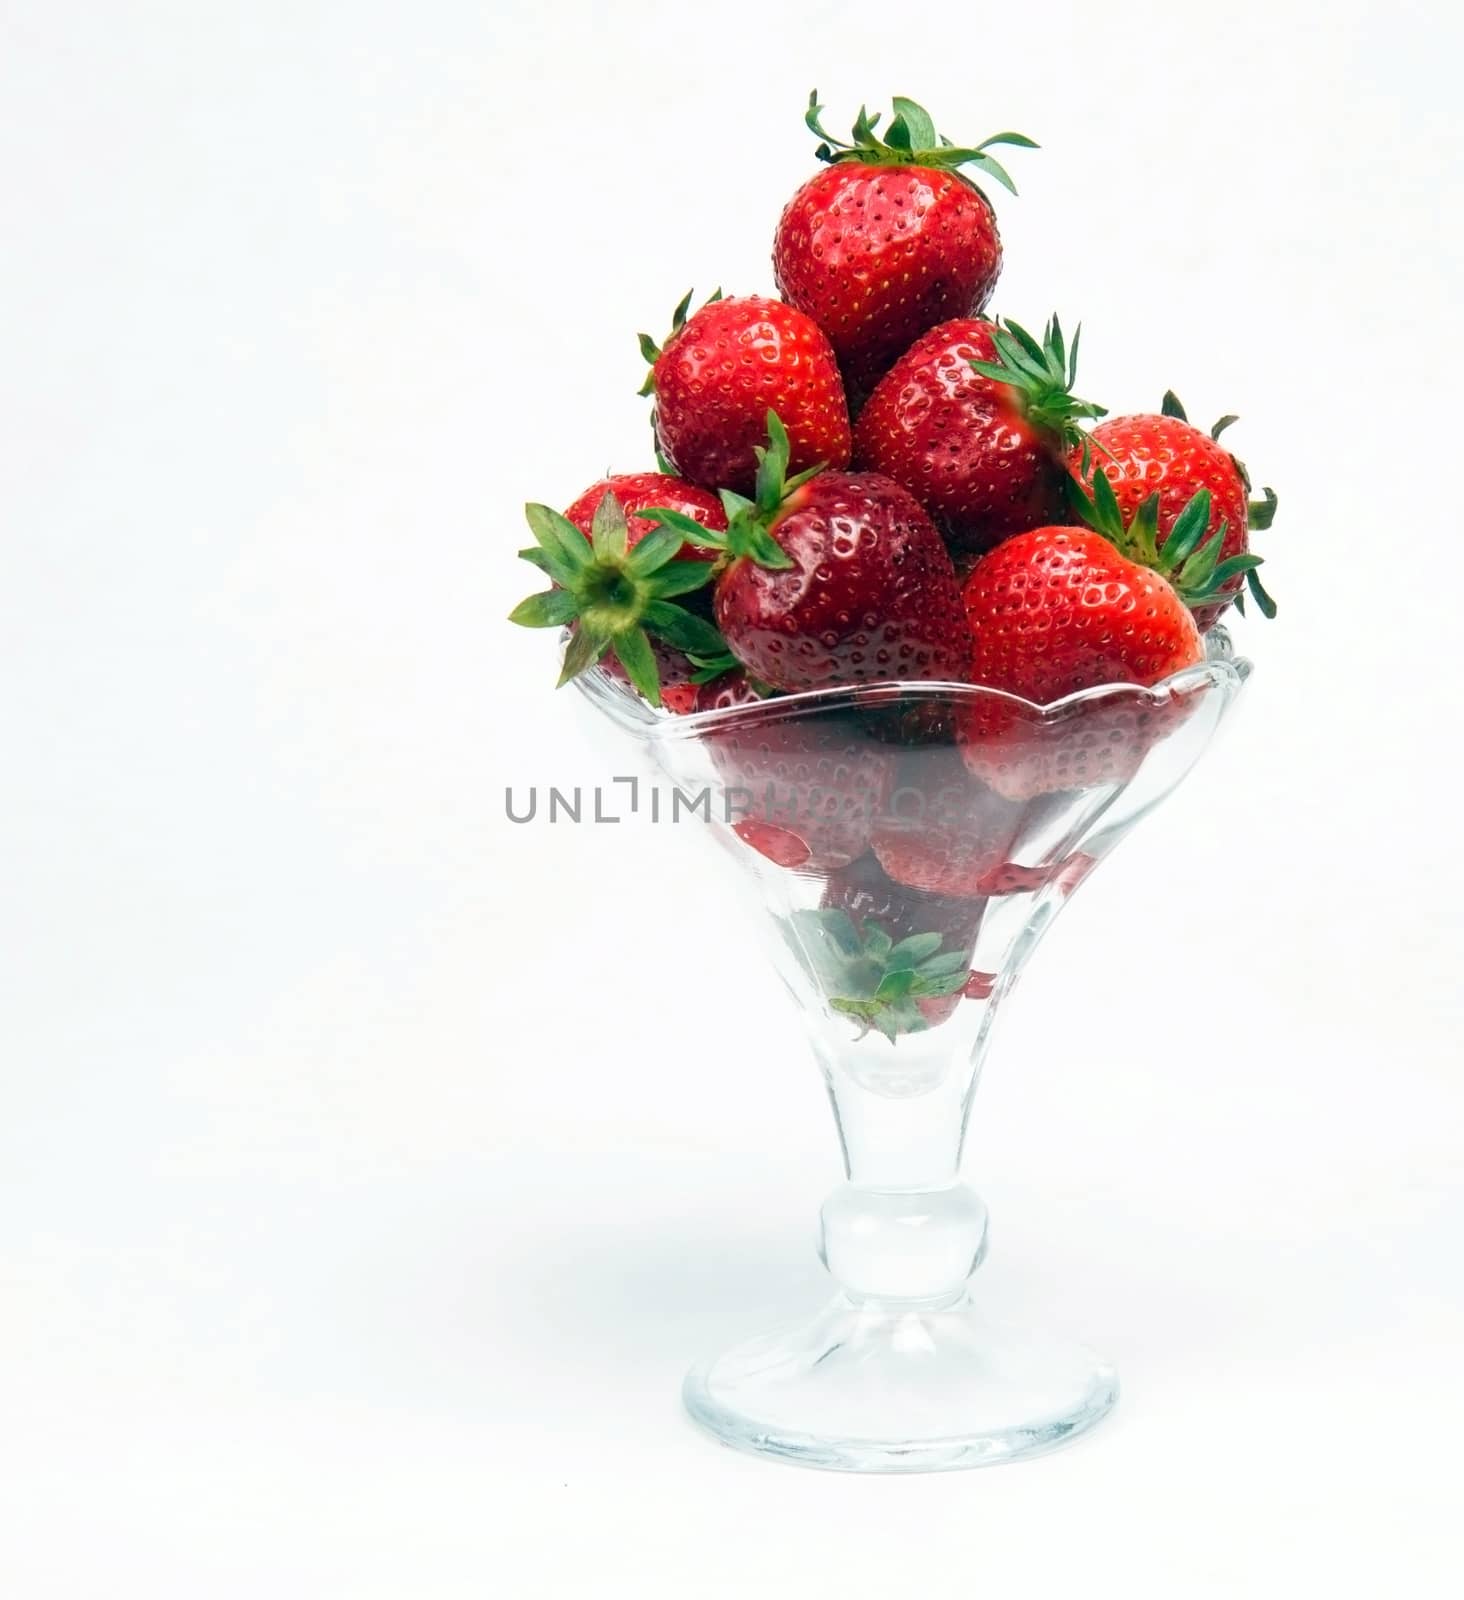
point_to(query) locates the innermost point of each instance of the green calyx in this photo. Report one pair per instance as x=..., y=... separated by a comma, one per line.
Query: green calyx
x=1192, y=568
x=749, y=522
x=1260, y=514
x=874, y=979
x=615, y=597
x=652, y=351
x=1042, y=372
x=910, y=140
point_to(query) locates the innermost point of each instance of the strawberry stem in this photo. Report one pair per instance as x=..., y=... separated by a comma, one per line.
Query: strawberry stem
x=910, y=140
x=1043, y=373
x=1194, y=569
x=749, y=522
x=613, y=596
x=871, y=978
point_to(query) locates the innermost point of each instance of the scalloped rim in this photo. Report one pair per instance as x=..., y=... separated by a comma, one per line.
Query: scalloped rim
x=1222, y=667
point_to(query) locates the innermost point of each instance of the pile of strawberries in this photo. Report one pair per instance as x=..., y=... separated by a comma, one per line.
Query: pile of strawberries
x=869, y=480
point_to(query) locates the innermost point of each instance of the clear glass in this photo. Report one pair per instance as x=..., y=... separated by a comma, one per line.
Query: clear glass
x=908, y=846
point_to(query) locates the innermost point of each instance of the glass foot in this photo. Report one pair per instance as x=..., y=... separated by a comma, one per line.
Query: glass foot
x=867, y=1387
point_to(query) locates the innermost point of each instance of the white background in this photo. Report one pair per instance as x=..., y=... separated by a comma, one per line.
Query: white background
x=371, y=1168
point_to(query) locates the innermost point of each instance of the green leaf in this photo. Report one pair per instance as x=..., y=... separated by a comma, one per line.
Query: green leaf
x=654, y=551
x=806, y=476
x=935, y=988
x=679, y=577
x=679, y=522
x=1189, y=528
x=1020, y=349
x=1262, y=512
x=917, y=948
x=1258, y=593
x=1222, y=425
x=566, y=550
x=951, y=962
x=1233, y=565
x=1108, y=519
x=772, y=465
x=678, y=627
x=1170, y=406
x=894, y=1020
x=994, y=169
x=678, y=316
x=585, y=649
x=836, y=925
x=895, y=985
x=995, y=370
x=812, y=121
x=535, y=557
x=634, y=653
x=764, y=549
x=608, y=530
x=551, y=610
x=648, y=347
x=1019, y=139
x=1142, y=539
x=734, y=505
x=917, y=123
x=1199, y=570
x=898, y=136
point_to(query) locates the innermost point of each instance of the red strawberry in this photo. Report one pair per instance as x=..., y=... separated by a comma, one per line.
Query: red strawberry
x=974, y=420
x=1052, y=612
x=891, y=959
x=1021, y=754
x=615, y=592
x=807, y=790
x=942, y=831
x=635, y=490
x=731, y=688
x=834, y=578
x=890, y=240
x=723, y=369
x=1146, y=455
x=1059, y=609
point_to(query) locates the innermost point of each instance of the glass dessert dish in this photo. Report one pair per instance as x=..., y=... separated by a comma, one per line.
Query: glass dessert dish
x=908, y=845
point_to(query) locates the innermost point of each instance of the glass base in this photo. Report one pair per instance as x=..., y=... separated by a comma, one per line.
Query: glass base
x=870, y=1387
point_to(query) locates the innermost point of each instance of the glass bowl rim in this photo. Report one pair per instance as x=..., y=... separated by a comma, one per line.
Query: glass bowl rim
x=1220, y=668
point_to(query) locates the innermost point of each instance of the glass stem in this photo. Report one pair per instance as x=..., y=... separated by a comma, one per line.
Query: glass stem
x=903, y=1228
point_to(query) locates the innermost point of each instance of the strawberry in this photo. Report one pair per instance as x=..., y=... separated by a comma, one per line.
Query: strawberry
x=974, y=420
x=615, y=592
x=884, y=957
x=1145, y=455
x=720, y=372
x=809, y=789
x=728, y=689
x=1058, y=610
x=1061, y=609
x=891, y=239
x=834, y=578
x=942, y=832
x=634, y=490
